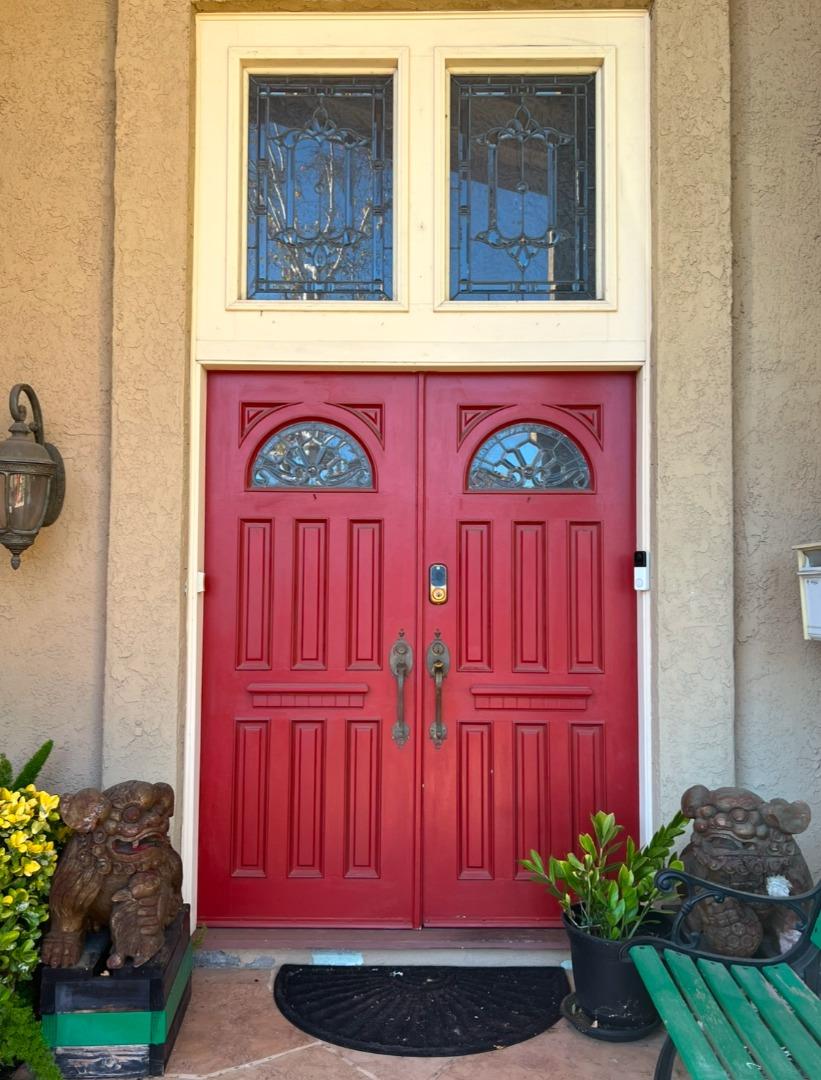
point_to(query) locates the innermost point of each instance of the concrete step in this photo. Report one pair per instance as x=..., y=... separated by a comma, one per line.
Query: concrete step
x=263, y=949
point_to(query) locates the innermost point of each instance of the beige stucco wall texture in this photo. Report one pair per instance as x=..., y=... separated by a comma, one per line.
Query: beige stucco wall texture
x=56, y=194
x=145, y=609
x=777, y=387
x=127, y=603
x=693, y=681
x=692, y=399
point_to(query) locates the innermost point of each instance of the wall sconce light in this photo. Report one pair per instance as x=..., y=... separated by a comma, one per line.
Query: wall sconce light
x=32, y=477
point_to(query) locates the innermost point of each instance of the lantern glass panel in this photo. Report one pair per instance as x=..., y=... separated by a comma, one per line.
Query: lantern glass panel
x=24, y=501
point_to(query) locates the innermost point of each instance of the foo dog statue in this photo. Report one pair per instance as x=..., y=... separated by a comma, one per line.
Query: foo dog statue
x=118, y=870
x=741, y=841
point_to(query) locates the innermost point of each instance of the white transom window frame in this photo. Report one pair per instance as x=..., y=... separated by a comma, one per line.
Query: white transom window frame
x=422, y=327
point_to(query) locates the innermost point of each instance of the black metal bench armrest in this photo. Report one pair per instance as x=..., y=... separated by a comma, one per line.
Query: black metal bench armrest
x=806, y=906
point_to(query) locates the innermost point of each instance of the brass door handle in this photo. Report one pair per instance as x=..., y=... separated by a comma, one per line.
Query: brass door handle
x=438, y=665
x=400, y=661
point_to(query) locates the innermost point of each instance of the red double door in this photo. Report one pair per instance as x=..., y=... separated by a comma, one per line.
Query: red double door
x=338, y=507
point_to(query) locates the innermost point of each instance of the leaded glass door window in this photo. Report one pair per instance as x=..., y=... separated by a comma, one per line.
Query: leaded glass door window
x=529, y=457
x=312, y=454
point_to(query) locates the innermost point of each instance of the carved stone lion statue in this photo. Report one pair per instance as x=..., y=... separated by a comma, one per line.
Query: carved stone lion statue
x=117, y=870
x=741, y=841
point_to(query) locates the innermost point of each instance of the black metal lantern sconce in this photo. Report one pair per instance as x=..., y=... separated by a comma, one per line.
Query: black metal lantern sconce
x=32, y=477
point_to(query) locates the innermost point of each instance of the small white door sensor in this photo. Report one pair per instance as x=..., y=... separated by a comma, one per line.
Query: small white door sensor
x=641, y=571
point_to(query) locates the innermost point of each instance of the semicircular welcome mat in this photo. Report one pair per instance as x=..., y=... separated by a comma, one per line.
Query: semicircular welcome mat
x=421, y=1011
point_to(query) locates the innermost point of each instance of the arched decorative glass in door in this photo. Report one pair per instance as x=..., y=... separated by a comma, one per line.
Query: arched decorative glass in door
x=529, y=456
x=312, y=454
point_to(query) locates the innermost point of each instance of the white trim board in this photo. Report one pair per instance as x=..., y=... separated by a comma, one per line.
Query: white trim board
x=420, y=333
x=422, y=49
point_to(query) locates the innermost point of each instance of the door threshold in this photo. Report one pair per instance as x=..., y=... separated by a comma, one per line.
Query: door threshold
x=263, y=949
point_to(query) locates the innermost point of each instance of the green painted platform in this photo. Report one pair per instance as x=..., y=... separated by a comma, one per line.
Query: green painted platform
x=123, y=1022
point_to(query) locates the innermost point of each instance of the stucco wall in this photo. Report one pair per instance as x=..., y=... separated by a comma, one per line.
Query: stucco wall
x=777, y=379
x=144, y=682
x=55, y=314
x=56, y=134
x=692, y=400
x=145, y=602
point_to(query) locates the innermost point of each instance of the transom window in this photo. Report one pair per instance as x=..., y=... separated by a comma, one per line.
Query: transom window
x=522, y=187
x=426, y=189
x=320, y=157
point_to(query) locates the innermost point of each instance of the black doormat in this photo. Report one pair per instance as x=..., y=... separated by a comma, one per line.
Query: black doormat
x=421, y=1011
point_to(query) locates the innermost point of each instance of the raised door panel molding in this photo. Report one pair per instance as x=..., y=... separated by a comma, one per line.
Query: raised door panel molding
x=530, y=697
x=316, y=695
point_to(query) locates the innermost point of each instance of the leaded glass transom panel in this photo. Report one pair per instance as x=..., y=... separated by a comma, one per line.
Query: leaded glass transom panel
x=312, y=454
x=528, y=457
x=320, y=187
x=523, y=187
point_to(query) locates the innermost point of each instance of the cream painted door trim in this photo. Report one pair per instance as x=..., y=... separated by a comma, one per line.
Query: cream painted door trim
x=422, y=327
x=197, y=585
x=602, y=339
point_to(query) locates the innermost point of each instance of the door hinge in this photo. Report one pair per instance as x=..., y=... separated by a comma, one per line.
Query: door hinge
x=200, y=581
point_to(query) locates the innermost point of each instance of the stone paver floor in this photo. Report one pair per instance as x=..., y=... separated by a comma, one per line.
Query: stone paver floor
x=234, y=1030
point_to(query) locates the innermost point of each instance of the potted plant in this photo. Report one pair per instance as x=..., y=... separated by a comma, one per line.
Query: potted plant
x=607, y=893
x=29, y=832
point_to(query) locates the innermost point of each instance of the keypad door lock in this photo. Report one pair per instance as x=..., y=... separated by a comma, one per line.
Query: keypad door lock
x=438, y=583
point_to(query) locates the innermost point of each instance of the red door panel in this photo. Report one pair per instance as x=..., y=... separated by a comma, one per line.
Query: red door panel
x=310, y=811
x=540, y=700
x=307, y=803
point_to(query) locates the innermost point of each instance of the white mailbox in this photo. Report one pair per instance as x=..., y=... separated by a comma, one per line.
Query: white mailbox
x=809, y=578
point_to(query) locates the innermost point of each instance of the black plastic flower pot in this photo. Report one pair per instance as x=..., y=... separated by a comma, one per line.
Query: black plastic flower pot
x=610, y=1001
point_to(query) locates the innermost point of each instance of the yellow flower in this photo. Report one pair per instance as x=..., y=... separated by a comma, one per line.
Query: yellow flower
x=30, y=867
x=48, y=802
x=17, y=840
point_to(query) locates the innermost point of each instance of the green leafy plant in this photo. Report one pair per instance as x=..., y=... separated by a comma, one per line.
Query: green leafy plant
x=29, y=825
x=30, y=833
x=608, y=890
x=21, y=1037
x=30, y=771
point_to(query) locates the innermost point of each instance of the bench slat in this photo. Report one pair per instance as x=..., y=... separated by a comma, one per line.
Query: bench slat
x=815, y=933
x=780, y=1018
x=703, y=1005
x=746, y=1021
x=798, y=994
x=695, y=1051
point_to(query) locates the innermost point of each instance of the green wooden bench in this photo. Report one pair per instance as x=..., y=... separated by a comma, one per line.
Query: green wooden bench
x=729, y=1017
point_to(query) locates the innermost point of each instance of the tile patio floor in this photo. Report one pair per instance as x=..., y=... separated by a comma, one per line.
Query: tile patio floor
x=234, y=1030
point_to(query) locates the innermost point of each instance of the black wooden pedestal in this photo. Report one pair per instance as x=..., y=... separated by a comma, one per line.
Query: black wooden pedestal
x=120, y=1023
